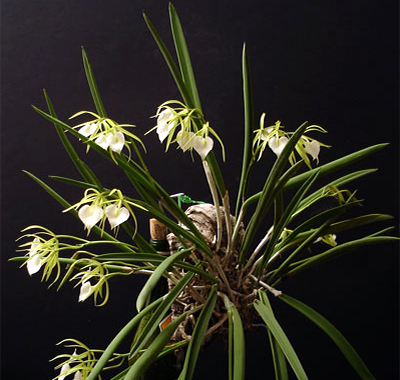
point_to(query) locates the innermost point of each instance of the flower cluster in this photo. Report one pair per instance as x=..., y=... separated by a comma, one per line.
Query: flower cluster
x=276, y=139
x=106, y=133
x=42, y=250
x=97, y=207
x=186, y=127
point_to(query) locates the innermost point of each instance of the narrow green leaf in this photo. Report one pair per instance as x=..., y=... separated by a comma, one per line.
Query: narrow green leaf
x=266, y=198
x=156, y=276
x=156, y=317
x=290, y=208
x=183, y=57
x=196, y=340
x=170, y=63
x=337, y=251
x=83, y=169
x=151, y=353
x=114, y=344
x=335, y=165
x=92, y=85
x=265, y=312
x=278, y=358
x=341, y=342
x=248, y=128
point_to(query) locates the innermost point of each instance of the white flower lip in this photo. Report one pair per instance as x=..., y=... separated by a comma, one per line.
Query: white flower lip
x=90, y=215
x=102, y=141
x=86, y=289
x=34, y=262
x=64, y=369
x=115, y=141
x=203, y=145
x=164, y=125
x=185, y=140
x=88, y=129
x=116, y=215
x=312, y=148
x=277, y=145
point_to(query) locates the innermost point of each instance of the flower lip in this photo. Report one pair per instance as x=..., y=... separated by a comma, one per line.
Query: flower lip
x=90, y=215
x=203, y=145
x=86, y=290
x=116, y=215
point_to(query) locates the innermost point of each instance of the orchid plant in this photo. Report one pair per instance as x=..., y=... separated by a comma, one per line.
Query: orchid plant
x=222, y=272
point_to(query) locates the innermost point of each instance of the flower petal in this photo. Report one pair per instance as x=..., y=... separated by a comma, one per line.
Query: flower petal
x=102, y=141
x=86, y=290
x=116, y=215
x=115, y=141
x=88, y=129
x=312, y=148
x=203, y=145
x=90, y=215
x=277, y=145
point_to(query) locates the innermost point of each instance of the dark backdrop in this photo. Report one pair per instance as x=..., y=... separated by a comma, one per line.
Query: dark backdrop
x=332, y=63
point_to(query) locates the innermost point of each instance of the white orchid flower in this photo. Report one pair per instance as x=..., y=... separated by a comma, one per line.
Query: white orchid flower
x=312, y=148
x=64, y=369
x=115, y=141
x=116, y=215
x=185, y=140
x=78, y=376
x=34, y=262
x=88, y=129
x=164, y=125
x=86, y=291
x=202, y=145
x=102, y=141
x=90, y=215
x=277, y=144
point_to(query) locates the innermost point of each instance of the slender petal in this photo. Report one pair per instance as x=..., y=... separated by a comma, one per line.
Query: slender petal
x=85, y=291
x=116, y=141
x=116, y=215
x=203, y=145
x=90, y=215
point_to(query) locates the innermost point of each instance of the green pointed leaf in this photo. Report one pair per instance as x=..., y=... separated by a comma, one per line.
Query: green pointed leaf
x=93, y=86
x=264, y=310
x=335, y=165
x=196, y=340
x=115, y=343
x=170, y=63
x=183, y=57
x=248, y=128
x=151, y=353
x=341, y=342
x=157, y=316
x=266, y=197
x=156, y=276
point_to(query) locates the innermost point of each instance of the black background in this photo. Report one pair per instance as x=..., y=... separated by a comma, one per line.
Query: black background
x=332, y=63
